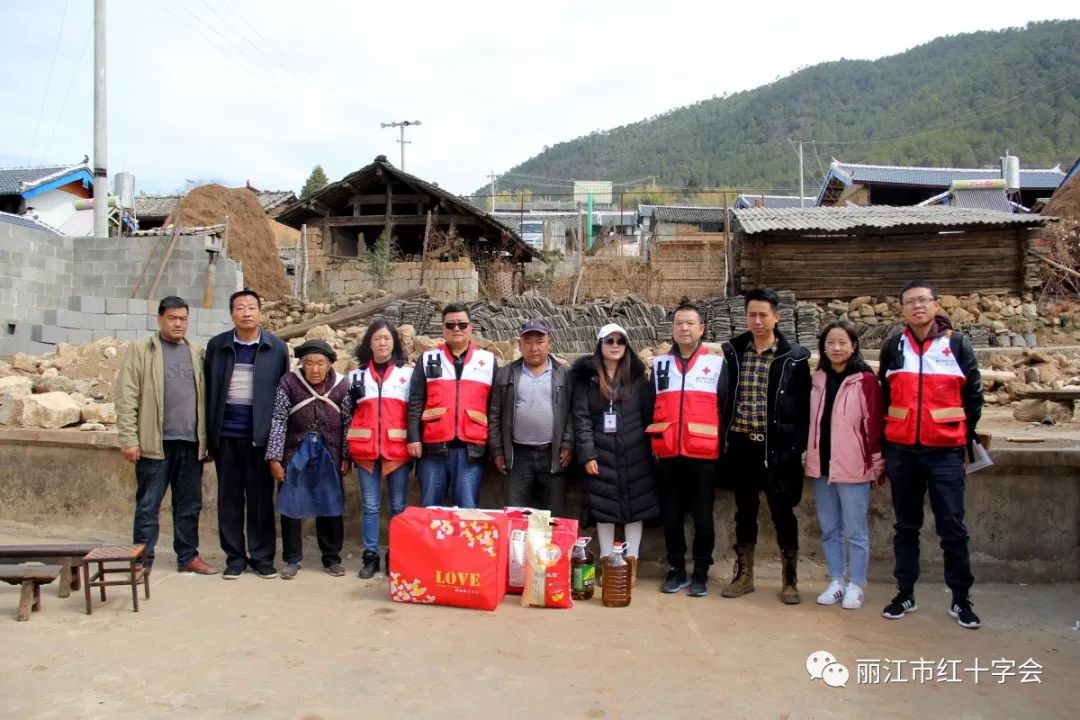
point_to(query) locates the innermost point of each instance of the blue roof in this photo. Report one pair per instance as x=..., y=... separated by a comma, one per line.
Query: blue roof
x=31, y=181
x=25, y=221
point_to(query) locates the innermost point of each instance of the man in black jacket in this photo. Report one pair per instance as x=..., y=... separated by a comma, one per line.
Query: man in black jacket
x=531, y=435
x=769, y=381
x=243, y=366
x=932, y=393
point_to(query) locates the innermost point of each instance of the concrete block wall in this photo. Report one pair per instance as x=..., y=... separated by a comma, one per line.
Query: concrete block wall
x=445, y=281
x=35, y=273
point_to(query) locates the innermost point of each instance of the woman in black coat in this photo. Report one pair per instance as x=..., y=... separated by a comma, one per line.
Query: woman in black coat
x=613, y=402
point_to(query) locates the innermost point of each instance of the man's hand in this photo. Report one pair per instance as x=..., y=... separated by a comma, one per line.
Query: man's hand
x=881, y=480
x=131, y=454
x=500, y=463
x=565, y=456
x=416, y=449
x=592, y=467
x=277, y=471
x=346, y=467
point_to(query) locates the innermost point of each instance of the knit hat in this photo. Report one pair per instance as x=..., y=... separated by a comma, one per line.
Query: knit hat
x=316, y=346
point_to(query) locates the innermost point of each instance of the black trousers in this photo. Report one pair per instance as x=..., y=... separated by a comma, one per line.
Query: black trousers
x=329, y=531
x=245, y=487
x=530, y=482
x=782, y=487
x=687, y=486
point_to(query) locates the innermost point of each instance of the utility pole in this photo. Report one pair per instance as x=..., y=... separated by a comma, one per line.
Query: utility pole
x=493, y=177
x=404, y=124
x=802, y=193
x=101, y=175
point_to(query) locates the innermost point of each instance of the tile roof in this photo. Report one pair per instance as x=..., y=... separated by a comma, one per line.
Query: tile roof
x=159, y=207
x=25, y=221
x=841, y=219
x=17, y=180
x=1043, y=178
x=688, y=214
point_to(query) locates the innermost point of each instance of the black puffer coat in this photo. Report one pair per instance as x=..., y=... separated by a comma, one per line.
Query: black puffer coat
x=625, y=489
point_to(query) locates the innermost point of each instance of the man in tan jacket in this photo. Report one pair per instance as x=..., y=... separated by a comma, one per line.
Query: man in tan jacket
x=159, y=411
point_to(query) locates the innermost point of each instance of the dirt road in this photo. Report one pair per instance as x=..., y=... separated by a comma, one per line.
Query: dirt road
x=321, y=648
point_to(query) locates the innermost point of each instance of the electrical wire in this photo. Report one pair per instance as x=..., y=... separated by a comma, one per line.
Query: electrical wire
x=74, y=77
x=48, y=82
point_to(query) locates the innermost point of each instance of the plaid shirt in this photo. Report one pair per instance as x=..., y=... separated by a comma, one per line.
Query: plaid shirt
x=752, y=403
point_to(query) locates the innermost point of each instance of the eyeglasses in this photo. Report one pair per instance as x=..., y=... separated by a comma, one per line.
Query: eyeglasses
x=456, y=325
x=614, y=341
x=918, y=301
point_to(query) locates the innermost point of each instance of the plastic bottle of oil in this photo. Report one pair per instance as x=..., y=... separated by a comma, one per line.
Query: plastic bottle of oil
x=616, y=588
x=583, y=571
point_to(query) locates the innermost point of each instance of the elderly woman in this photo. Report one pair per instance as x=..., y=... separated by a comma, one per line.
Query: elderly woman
x=304, y=451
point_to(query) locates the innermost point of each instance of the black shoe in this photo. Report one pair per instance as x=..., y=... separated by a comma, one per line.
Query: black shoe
x=900, y=606
x=965, y=616
x=335, y=570
x=699, y=583
x=371, y=565
x=268, y=572
x=232, y=573
x=676, y=580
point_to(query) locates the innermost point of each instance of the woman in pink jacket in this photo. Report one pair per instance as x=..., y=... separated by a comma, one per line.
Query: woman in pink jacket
x=843, y=457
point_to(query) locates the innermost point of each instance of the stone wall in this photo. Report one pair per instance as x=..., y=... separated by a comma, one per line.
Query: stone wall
x=445, y=281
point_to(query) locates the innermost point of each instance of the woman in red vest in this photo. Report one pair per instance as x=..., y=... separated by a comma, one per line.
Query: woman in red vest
x=376, y=418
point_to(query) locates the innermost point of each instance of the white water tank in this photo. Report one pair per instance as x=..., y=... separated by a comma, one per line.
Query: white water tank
x=1010, y=171
x=124, y=188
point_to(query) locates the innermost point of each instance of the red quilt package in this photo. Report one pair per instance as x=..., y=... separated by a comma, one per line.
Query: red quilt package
x=448, y=557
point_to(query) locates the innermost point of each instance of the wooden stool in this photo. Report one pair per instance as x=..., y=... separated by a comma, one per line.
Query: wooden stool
x=132, y=556
x=69, y=556
x=31, y=577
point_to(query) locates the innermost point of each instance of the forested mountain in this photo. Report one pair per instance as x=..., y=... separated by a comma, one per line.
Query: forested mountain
x=956, y=101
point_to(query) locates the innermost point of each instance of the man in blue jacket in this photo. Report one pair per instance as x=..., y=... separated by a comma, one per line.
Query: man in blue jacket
x=243, y=366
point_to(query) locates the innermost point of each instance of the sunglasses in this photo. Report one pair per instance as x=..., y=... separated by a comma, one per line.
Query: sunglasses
x=614, y=341
x=456, y=325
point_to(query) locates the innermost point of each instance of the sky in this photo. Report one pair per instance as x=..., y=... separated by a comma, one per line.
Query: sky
x=239, y=91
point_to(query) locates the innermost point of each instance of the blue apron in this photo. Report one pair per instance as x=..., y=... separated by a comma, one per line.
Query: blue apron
x=312, y=486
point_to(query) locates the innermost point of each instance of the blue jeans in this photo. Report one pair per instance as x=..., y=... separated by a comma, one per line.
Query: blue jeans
x=397, y=483
x=453, y=471
x=941, y=475
x=841, y=511
x=180, y=470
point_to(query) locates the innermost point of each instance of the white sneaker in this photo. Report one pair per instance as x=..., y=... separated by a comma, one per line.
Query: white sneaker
x=832, y=594
x=853, y=597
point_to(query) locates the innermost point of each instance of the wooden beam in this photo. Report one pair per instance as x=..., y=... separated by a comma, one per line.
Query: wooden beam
x=367, y=199
x=375, y=220
x=347, y=315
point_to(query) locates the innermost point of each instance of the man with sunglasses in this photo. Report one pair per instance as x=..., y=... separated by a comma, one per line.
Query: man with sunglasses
x=448, y=414
x=932, y=392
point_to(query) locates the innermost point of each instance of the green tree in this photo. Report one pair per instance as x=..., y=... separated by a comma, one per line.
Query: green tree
x=316, y=181
x=380, y=258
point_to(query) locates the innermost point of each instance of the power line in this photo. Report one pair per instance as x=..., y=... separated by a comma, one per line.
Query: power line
x=74, y=77
x=48, y=82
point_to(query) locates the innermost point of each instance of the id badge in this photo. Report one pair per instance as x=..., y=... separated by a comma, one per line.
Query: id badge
x=611, y=422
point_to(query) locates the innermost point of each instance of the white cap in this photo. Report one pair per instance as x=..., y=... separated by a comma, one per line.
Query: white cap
x=612, y=328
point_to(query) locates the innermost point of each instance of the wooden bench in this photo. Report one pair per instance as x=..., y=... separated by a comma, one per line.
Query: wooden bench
x=31, y=578
x=132, y=571
x=68, y=556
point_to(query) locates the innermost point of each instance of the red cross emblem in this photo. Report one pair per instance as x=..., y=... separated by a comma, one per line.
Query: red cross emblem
x=706, y=371
x=401, y=381
x=481, y=363
x=946, y=352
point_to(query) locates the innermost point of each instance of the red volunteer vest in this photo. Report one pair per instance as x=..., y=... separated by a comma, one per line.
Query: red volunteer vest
x=377, y=430
x=686, y=417
x=457, y=408
x=926, y=405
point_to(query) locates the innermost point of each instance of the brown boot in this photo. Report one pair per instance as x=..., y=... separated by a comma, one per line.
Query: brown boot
x=742, y=581
x=789, y=593
x=632, y=561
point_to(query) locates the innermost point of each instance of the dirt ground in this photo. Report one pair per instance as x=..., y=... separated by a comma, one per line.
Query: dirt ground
x=319, y=647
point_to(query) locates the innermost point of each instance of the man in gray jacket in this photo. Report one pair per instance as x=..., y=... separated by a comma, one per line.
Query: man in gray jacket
x=530, y=436
x=162, y=429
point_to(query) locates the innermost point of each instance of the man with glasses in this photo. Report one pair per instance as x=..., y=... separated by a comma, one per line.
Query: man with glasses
x=448, y=414
x=769, y=386
x=932, y=392
x=686, y=431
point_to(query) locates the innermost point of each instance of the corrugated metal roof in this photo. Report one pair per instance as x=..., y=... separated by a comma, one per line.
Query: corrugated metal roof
x=26, y=221
x=1035, y=178
x=688, y=214
x=773, y=201
x=17, y=180
x=841, y=219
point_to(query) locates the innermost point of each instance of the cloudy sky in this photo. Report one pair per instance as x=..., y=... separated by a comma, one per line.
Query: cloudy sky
x=235, y=90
